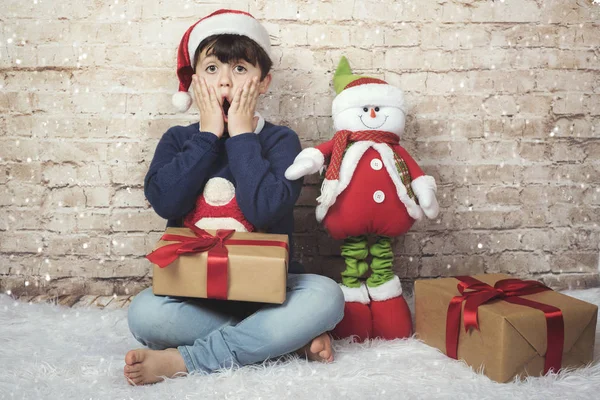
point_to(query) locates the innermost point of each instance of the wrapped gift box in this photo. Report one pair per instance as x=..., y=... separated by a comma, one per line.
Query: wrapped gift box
x=221, y=264
x=511, y=339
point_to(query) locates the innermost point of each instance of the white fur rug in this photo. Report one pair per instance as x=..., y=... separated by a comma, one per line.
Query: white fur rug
x=52, y=352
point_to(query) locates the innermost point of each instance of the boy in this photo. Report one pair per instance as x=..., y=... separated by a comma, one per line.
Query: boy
x=227, y=171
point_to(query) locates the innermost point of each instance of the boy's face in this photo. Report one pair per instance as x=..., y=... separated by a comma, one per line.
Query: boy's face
x=226, y=78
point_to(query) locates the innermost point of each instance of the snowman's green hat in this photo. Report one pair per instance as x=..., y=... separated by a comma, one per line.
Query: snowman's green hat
x=359, y=91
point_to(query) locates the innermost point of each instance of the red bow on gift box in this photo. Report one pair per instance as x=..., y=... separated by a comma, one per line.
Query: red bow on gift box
x=216, y=267
x=476, y=293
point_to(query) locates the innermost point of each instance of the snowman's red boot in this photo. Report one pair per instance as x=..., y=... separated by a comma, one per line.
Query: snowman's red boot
x=357, y=321
x=391, y=317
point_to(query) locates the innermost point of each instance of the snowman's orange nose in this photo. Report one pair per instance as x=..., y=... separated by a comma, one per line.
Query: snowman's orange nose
x=373, y=115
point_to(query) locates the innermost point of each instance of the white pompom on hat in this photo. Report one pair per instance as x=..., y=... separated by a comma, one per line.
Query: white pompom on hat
x=219, y=22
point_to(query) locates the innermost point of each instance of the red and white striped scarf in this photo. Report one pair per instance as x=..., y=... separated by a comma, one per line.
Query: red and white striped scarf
x=342, y=139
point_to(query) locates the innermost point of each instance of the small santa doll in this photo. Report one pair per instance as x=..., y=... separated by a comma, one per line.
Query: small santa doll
x=372, y=186
x=217, y=208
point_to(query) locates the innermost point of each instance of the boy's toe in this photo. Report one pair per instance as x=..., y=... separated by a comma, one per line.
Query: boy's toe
x=134, y=357
x=325, y=354
x=129, y=369
x=133, y=375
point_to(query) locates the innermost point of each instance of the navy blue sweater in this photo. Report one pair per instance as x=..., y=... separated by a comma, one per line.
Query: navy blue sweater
x=186, y=158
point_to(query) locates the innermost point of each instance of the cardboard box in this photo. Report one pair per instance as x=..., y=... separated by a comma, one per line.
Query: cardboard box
x=512, y=339
x=257, y=270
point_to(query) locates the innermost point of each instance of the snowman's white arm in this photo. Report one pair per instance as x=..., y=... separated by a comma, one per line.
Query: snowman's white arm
x=310, y=161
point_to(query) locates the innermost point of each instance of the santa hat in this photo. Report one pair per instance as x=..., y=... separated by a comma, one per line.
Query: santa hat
x=218, y=23
x=357, y=91
x=217, y=208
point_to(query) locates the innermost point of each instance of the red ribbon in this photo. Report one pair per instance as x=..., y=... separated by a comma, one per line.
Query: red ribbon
x=508, y=290
x=216, y=268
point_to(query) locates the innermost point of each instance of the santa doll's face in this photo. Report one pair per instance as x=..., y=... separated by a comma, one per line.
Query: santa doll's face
x=371, y=118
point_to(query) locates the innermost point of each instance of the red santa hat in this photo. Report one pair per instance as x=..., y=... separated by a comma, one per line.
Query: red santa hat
x=217, y=208
x=218, y=23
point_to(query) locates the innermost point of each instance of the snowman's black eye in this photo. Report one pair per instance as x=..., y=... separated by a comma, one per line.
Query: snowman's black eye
x=365, y=109
x=376, y=109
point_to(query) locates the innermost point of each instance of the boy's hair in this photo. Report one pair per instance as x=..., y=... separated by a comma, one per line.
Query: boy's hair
x=230, y=48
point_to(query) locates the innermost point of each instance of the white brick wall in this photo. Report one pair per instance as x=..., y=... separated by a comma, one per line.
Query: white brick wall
x=504, y=111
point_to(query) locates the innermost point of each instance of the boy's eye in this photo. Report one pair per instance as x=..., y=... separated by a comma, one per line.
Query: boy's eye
x=365, y=109
x=211, y=69
x=240, y=69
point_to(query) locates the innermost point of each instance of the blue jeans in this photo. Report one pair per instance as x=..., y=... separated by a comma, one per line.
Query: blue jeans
x=215, y=334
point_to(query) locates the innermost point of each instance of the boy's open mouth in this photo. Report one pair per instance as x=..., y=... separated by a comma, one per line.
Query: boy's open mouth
x=226, y=106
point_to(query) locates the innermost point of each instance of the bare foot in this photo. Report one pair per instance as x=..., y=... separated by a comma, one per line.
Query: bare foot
x=145, y=366
x=319, y=349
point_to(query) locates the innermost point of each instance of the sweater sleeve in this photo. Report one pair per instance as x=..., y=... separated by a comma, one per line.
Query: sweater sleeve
x=178, y=171
x=262, y=191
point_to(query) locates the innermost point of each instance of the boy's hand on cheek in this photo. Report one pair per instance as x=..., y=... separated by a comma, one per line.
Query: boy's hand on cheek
x=211, y=112
x=241, y=113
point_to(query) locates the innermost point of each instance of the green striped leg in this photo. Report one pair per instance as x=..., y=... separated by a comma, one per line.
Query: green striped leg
x=354, y=251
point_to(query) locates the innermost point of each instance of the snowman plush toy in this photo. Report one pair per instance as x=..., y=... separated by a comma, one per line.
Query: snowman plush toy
x=372, y=188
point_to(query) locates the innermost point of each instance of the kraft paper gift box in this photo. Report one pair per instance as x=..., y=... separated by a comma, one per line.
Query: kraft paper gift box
x=513, y=333
x=222, y=264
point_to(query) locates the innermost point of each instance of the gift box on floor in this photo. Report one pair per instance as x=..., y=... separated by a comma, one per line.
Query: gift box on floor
x=221, y=264
x=503, y=326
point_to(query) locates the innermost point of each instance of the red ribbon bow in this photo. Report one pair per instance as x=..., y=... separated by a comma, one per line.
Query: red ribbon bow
x=217, y=278
x=508, y=290
x=216, y=268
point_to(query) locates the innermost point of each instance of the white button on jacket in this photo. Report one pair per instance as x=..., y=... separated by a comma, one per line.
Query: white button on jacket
x=376, y=164
x=379, y=196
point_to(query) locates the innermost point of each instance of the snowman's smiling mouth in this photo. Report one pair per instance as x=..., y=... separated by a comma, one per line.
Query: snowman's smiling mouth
x=372, y=127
